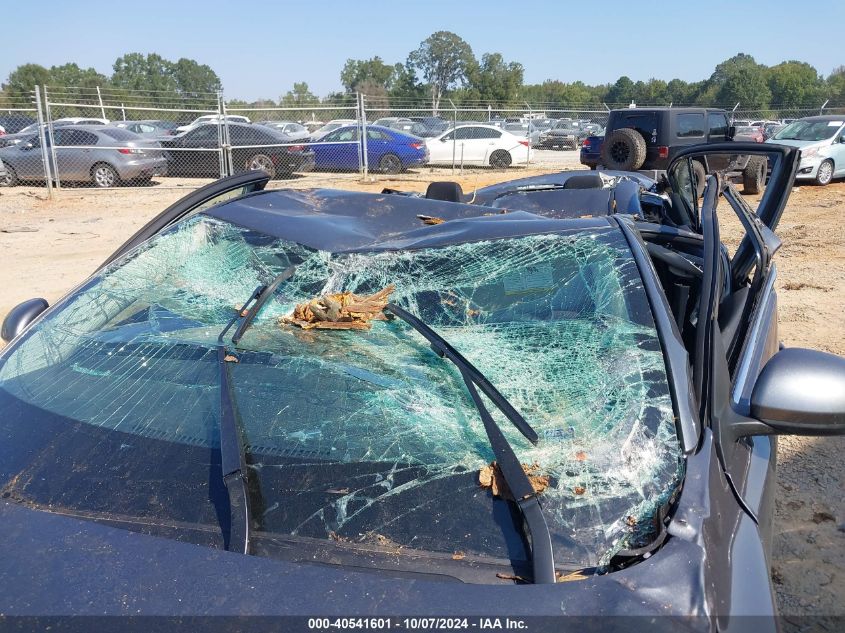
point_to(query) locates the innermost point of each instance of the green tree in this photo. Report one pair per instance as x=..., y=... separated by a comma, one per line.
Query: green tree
x=795, y=84
x=372, y=71
x=835, y=86
x=494, y=80
x=194, y=80
x=404, y=85
x=299, y=96
x=443, y=59
x=152, y=73
x=741, y=79
x=19, y=85
x=622, y=92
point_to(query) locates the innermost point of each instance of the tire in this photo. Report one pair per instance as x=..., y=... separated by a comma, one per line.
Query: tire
x=104, y=175
x=700, y=175
x=754, y=175
x=11, y=179
x=262, y=162
x=624, y=150
x=390, y=164
x=501, y=159
x=825, y=173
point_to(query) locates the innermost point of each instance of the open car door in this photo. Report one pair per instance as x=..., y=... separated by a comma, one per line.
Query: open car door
x=735, y=318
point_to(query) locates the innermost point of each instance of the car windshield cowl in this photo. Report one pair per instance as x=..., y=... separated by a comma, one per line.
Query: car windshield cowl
x=359, y=434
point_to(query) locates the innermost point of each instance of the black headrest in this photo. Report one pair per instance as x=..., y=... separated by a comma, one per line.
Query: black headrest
x=446, y=191
x=588, y=181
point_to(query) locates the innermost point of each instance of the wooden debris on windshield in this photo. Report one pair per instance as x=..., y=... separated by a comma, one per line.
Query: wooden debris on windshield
x=430, y=219
x=491, y=477
x=340, y=311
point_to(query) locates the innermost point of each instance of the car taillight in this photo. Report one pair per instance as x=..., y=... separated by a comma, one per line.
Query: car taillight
x=524, y=143
x=296, y=148
x=663, y=151
x=417, y=145
x=586, y=143
x=130, y=150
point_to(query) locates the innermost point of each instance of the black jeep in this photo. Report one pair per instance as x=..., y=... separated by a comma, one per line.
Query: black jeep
x=649, y=138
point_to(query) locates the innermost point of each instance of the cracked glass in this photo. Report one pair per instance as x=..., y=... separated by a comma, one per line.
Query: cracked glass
x=353, y=437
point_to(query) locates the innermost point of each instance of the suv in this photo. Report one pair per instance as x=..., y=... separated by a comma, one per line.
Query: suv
x=649, y=138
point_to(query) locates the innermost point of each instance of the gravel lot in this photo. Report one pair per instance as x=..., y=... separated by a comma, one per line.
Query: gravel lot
x=46, y=247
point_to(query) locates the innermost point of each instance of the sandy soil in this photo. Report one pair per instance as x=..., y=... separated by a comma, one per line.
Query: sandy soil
x=46, y=247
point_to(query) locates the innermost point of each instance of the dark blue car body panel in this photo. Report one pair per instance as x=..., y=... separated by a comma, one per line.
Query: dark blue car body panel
x=591, y=151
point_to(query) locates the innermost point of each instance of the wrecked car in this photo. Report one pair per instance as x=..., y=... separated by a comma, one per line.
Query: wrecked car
x=325, y=402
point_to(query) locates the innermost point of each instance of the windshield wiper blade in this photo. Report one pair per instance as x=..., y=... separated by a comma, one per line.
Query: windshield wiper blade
x=542, y=555
x=261, y=295
x=232, y=454
x=443, y=349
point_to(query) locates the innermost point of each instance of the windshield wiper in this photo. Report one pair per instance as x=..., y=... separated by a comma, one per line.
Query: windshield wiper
x=261, y=295
x=232, y=453
x=542, y=556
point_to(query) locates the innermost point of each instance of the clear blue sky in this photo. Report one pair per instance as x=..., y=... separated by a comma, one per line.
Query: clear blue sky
x=260, y=48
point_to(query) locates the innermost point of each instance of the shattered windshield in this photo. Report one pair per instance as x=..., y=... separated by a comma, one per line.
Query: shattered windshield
x=360, y=436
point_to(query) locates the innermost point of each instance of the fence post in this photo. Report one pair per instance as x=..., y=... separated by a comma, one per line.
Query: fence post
x=44, y=159
x=52, y=138
x=221, y=139
x=821, y=110
x=733, y=112
x=227, y=138
x=365, y=161
x=530, y=125
x=100, y=99
x=454, y=132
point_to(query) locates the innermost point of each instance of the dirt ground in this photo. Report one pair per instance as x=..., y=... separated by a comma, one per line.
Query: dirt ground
x=46, y=247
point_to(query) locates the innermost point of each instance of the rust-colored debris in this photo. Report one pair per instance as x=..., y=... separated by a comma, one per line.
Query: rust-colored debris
x=491, y=477
x=579, y=490
x=430, y=219
x=510, y=577
x=229, y=358
x=340, y=311
x=458, y=556
x=581, y=456
x=575, y=575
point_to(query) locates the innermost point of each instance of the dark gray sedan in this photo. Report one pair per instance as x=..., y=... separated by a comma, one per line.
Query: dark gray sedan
x=101, y=155
x=551, y=412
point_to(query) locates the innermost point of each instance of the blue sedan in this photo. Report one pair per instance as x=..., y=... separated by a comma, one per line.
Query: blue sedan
x=389, y=151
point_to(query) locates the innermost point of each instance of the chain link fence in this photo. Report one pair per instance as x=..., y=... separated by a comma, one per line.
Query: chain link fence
x=63, y=137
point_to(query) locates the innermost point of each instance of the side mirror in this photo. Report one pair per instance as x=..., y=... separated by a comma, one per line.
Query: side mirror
x=800, y=392
x=21, y=316
x=731, y=131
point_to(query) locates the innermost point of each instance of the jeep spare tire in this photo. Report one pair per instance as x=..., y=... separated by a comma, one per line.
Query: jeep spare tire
x=623, y=149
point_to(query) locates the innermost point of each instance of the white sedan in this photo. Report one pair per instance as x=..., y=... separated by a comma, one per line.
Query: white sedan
x=477, y=145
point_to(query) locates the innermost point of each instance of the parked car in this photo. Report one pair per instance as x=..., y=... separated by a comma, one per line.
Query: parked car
x=4, y=175
x=591, y=151
x=330, y=126
x=388, y=150
x=274, y=153
x=13, y=122
x=79, y=120
x=564, y=135
x=213, y=118
x=165, y=418
x=101, y=155
x=291, y=129
x=822, y=143
x=433, y=125
x=477, y=144
x=404, y=125
x=154, y=128
x=749, y=133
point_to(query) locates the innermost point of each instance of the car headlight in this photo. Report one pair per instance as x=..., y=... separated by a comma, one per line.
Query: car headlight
x=810, y=151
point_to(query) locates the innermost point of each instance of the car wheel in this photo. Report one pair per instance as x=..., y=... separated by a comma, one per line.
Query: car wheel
x=104, y=175
x=623, y=149
x=390, y=164
x=262, y=162
x=500, y=159
x=754, y=175
x=825, y=173
x=10, y=179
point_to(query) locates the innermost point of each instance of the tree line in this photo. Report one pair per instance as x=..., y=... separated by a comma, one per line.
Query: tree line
x=443, y=67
